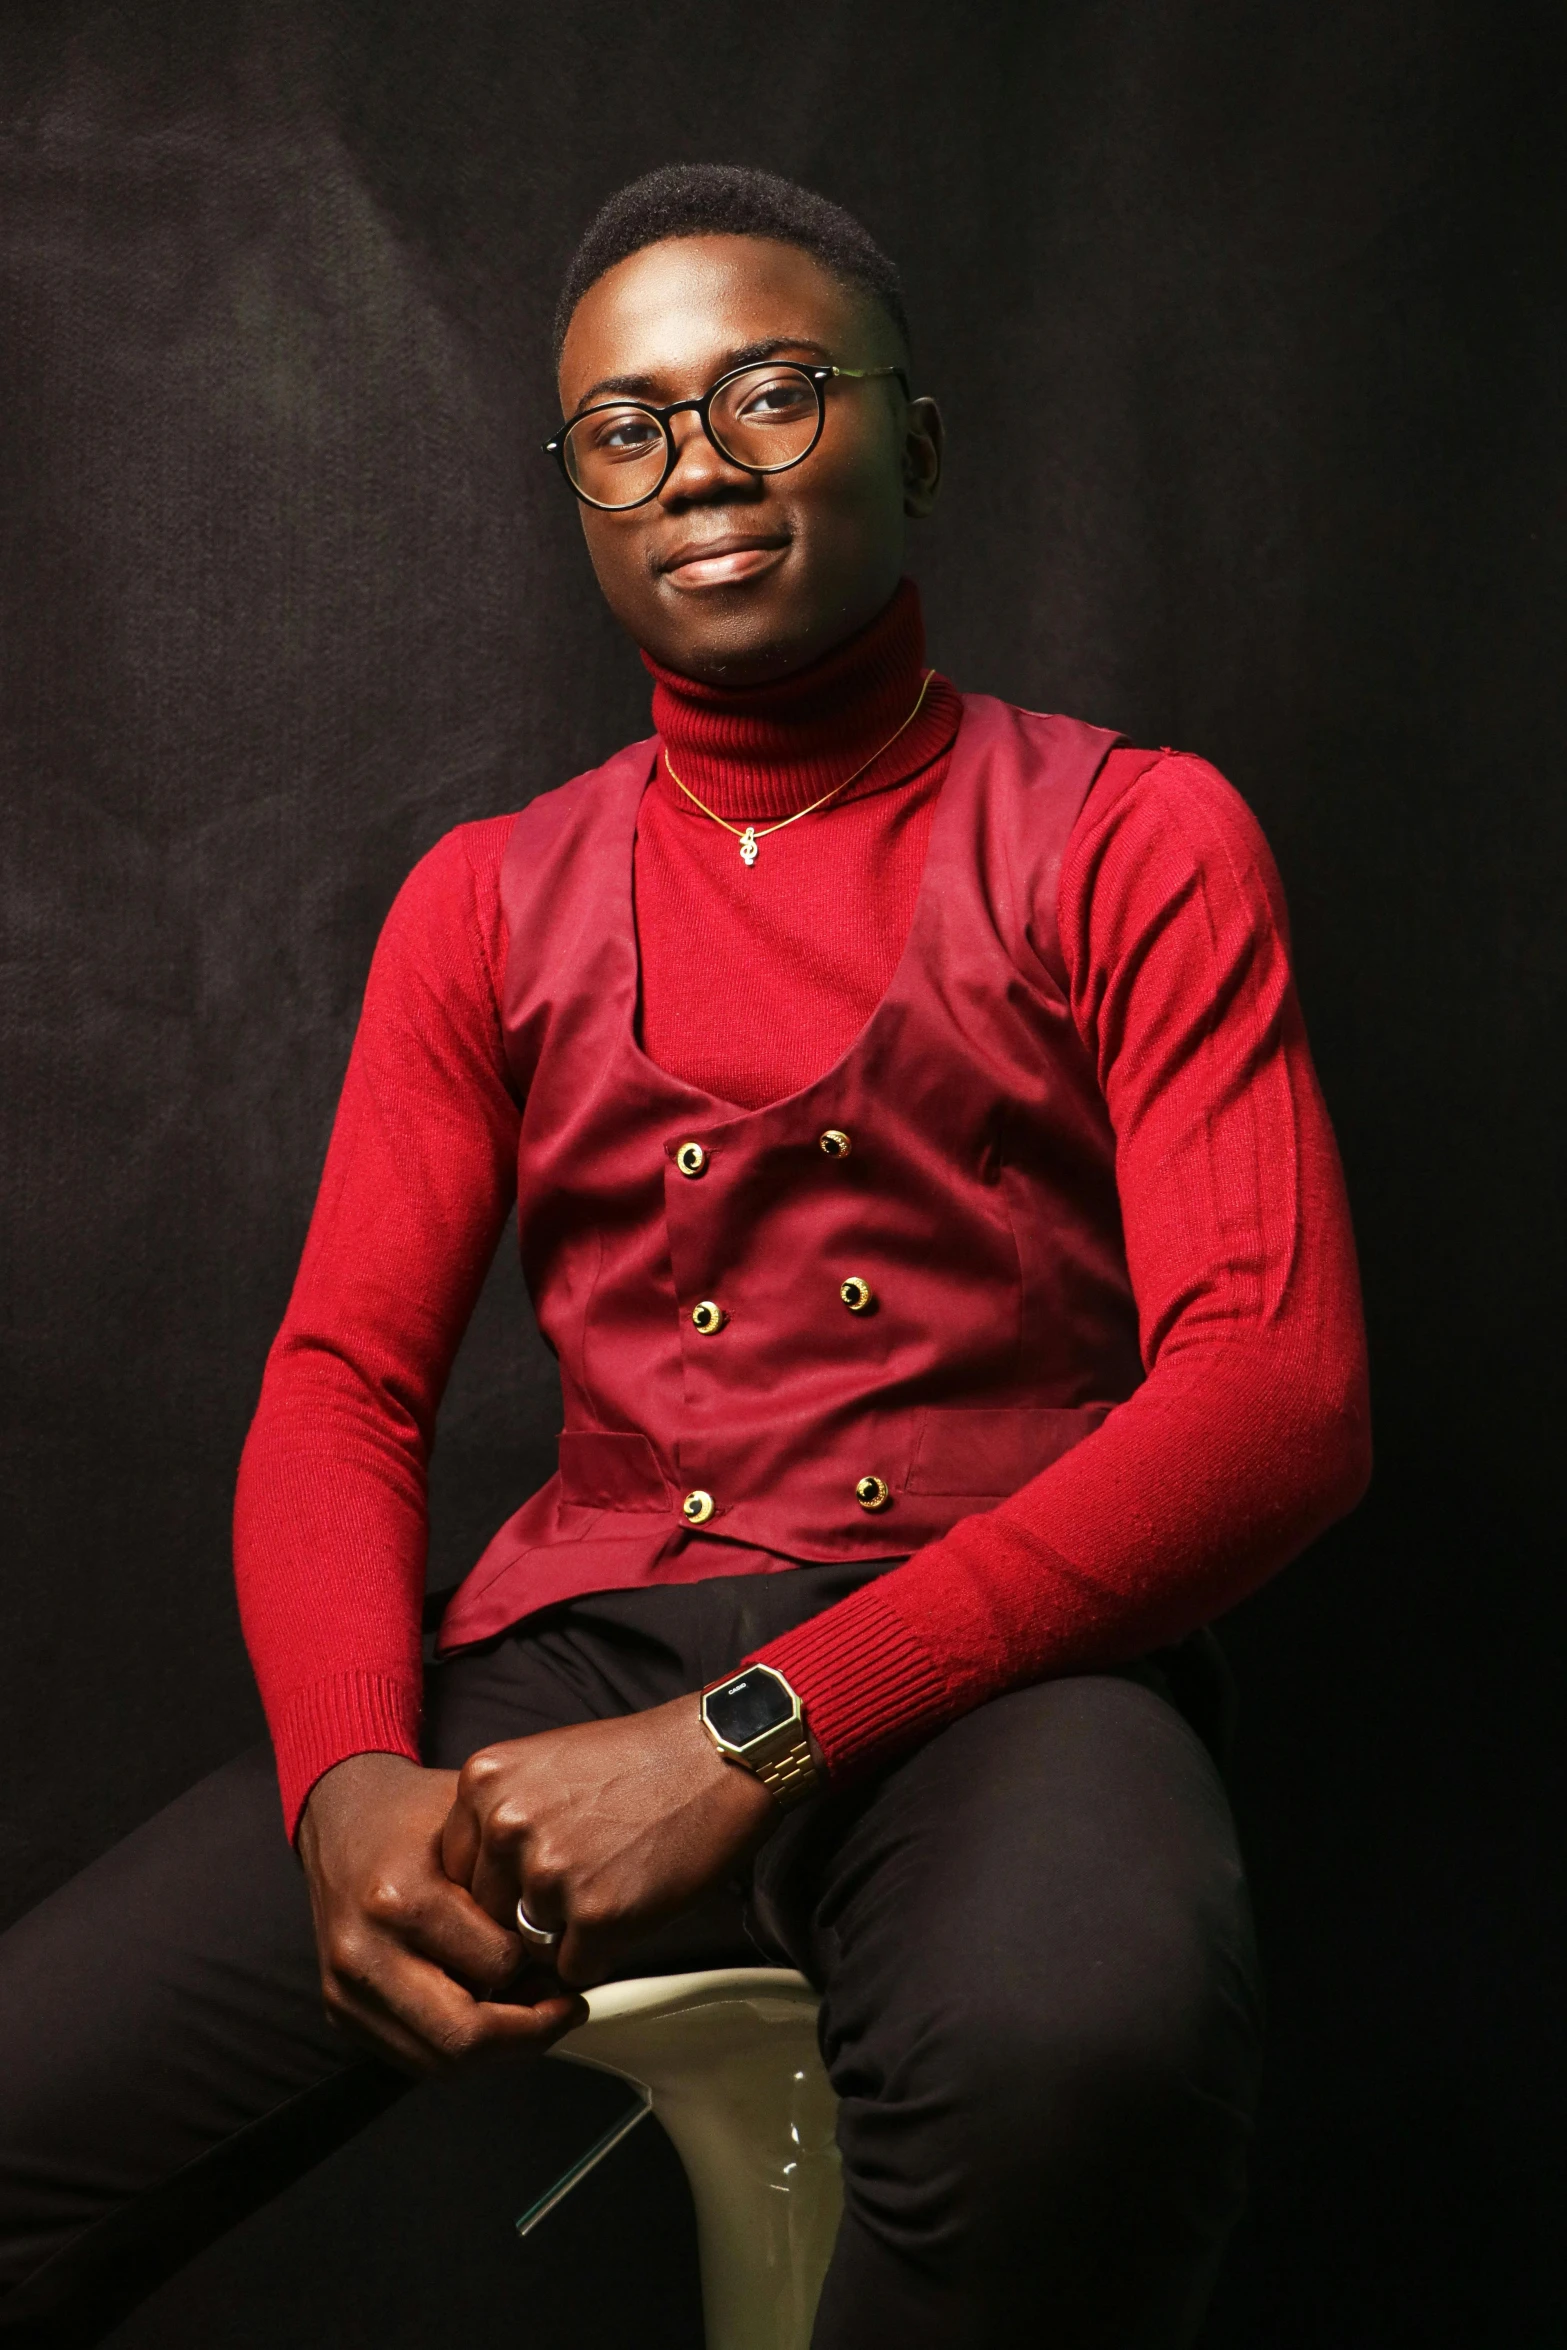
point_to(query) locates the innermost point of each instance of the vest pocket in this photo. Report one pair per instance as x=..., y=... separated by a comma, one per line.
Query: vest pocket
x=991, y=1453
x=611, y=1469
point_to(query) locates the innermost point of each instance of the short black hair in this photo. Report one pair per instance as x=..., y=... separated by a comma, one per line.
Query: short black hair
x=727, y=199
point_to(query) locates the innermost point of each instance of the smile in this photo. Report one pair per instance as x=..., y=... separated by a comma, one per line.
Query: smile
x=723, y=562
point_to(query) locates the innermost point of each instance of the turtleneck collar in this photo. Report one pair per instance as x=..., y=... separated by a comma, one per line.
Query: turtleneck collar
x=766, y=751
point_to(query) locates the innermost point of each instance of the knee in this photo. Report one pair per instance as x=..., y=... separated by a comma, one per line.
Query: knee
x=1101, y=2083
x=1023, y=2065
x=1016, y=2096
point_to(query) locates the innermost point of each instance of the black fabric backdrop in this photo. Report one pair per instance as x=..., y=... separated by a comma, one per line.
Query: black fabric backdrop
x=1248, y=325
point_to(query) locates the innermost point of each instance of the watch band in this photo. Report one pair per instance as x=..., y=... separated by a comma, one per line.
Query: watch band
x=790, y=1776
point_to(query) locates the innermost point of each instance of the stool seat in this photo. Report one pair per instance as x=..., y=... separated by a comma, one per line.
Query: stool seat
x=727, y=2060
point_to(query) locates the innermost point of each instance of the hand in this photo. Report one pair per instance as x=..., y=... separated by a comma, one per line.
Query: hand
x=409, y=1961
x=605, y=1830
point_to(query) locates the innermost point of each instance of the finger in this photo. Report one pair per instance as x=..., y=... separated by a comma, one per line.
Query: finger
x=559, y=2011
x=460, y=1841
x=425, y=2023
x=603, y=1927
x=373, y=2028
x=484, y=1848
x=589, y=1955
x=538, y=1979
x=357, y=2005
x=504, y=1869
x=449, y=2027
x=470, y=1945
x=443, y=1922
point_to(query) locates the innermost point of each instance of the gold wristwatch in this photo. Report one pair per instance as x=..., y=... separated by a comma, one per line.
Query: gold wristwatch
x=755, y=1718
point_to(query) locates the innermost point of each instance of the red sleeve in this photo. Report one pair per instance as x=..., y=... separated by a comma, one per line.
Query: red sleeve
x=1250, y=1433
x=330, y=1520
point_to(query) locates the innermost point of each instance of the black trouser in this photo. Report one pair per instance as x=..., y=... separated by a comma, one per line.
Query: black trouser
x=1040, y=1999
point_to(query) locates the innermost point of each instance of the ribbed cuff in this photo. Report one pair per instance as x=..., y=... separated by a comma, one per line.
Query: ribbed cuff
x=865, y=1679
x=353, y=1713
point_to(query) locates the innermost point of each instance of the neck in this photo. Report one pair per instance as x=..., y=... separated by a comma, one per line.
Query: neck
x=763, y=752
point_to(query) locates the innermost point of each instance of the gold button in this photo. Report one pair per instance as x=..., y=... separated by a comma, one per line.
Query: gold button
x=691, y=1158
x=834, y=1144
x=873, y=1493
x=697, y=1508
x=857, y=1294
x=708, y=1317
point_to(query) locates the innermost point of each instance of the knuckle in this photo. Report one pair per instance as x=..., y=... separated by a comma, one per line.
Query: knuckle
x=479, y=1772
x=348, y=1957
x=547, y=1864
x=387, y=1902
x=453, y=2039
x=508, y=1822
x=495, y=1944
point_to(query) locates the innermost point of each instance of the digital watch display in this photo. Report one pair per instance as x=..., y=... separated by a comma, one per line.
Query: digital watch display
x=754, y=1718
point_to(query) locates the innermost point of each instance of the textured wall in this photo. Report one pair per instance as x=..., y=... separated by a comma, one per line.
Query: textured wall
x=1247, y=321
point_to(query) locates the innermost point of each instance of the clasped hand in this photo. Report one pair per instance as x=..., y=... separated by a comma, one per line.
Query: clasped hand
x=604, y=1830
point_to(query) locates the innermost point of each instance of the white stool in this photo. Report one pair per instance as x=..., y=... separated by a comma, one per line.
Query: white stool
x=728, y=2062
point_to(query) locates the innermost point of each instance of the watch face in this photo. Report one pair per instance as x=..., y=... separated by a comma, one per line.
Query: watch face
x=750, y=1705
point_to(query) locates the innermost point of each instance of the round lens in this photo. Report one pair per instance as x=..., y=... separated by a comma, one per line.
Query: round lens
x=615, y=456
x=767, y=417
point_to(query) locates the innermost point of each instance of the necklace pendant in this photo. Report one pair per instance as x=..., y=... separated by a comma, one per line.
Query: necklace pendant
x=748, y=845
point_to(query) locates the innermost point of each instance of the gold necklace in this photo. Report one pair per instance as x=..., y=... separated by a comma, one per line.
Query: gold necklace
x=748, y=836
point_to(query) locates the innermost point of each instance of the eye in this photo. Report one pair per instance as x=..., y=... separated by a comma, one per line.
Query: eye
x=621, y=432
x=773, y=399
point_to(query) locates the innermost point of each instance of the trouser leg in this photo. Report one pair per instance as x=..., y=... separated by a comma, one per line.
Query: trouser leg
x=162, y=2004
x=1041, y=2019
x=165, y=2064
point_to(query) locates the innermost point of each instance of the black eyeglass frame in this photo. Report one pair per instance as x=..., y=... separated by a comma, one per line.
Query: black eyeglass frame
x=819, y=378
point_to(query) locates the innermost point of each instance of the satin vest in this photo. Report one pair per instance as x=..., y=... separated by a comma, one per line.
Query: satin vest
x=976, y=1203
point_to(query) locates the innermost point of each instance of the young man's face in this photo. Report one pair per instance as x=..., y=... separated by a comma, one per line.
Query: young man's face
x=735, y=576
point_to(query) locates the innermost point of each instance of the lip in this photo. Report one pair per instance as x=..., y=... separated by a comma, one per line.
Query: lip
x=723, y=562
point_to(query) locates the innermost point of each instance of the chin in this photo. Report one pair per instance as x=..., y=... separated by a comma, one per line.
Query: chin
x=740, y=640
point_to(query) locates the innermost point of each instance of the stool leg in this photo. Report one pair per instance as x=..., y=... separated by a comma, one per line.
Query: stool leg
x=580, y=2168
x=728, y=2062
x=759, y=2152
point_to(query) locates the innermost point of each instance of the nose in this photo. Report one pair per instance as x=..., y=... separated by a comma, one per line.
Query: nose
x=701, y=470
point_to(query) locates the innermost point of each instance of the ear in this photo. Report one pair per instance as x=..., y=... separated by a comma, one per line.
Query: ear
x=922, y=448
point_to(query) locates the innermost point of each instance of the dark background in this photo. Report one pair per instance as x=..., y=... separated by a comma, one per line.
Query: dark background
x=1248, y=323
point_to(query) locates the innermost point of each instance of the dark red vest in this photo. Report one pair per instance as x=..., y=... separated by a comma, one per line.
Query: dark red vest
x=977, y=1201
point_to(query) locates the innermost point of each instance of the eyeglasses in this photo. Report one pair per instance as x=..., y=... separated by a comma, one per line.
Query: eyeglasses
x=762, y=418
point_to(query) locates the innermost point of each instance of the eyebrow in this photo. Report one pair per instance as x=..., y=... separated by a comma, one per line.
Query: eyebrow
x=642, y=387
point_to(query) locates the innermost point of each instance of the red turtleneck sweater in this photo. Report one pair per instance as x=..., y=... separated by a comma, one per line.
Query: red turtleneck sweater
x=794, y=955
x=1249, y=1433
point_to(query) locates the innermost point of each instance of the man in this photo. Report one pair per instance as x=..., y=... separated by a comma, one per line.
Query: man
x=922, y=1178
